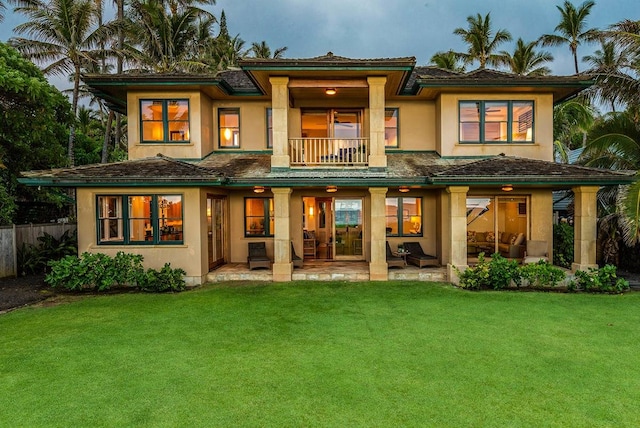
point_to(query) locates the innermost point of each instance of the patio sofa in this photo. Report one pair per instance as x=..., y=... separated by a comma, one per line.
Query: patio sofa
x=510, y=245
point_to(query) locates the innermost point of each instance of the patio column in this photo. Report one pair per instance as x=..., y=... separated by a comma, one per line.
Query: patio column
x=282, y=266
x=279, y=117
x=585, y=227
x=378, y=264
x=457, y=231
x=377, y=156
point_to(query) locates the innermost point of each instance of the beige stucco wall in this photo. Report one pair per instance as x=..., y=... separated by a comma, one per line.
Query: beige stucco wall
x=200, y=127
x=417, y=125
x=253, y=124
x=541, y=148
x=190, y=256
x=429, y=238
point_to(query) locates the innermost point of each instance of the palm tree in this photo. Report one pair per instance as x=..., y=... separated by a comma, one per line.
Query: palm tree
x=525, y=61
x=262, y=50
x=607, y=65
x=571, y=121
x=448, y=61
x=571, y=28
x=64, y=35
x=482, y=43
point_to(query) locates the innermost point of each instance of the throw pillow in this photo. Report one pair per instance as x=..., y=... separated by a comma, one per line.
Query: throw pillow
x=513, y=239
x=471, y=235
x=491, y=237
x=481, y=237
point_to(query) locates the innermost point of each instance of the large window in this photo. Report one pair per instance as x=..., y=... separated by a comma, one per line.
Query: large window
x=140, y=219
x=391, y=127
x=258, y=217
x=496, y=121
x=229, y=127
x=404, y=216
x=164, y=121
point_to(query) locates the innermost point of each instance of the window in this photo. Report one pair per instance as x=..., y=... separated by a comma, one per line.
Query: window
x=164, y=121
x=496, y=121
x=269, y=129
x=258, y=217
x=229, y=127
x=140, y=219
x=404, y=216
x=391, y=127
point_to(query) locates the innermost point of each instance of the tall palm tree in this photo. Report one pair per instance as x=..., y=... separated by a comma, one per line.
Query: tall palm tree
x=262, y=50
x=448, y=60
x=572, y=28
x=608, y=66
x=64, y=35
x=481, y=41
x=525, y=61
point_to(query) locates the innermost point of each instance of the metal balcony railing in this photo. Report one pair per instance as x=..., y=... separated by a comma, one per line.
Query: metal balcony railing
x=329, y=152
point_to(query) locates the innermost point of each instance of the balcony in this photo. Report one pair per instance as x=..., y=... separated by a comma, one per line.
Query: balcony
x=329, y=152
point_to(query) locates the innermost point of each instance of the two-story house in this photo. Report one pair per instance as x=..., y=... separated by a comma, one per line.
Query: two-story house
x=343, y=153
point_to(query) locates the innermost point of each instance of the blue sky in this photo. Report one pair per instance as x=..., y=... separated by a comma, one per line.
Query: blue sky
x=392, y=28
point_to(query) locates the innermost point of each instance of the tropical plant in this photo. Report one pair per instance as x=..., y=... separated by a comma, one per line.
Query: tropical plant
x=608, y=66
x=482, y=42
x=603, y=279
x=563, y=235
x=572, y=28
x=525, y=61
x=262, y=50
x=65, y=36
x=540, y=275
x=448, y=60
x=571, y=121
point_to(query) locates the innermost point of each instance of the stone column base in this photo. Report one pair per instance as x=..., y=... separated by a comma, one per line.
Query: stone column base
x=280, y=161
x=452, y=274
x=282, y=272
x=582, y=267
x=378, y=272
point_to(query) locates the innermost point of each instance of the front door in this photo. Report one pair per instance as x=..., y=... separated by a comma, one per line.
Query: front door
x=215, y=230
x=348, y=228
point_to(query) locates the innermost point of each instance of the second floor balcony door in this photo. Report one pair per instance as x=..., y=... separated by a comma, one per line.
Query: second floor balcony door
x=334, y=123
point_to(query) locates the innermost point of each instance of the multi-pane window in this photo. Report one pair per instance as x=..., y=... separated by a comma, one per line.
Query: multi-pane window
x=164, y=121
x=391, y=127
x=140, y=219
x=496, y=121
x=229, y=127
x=258, y=217
x=404, y=216
x=269, y=128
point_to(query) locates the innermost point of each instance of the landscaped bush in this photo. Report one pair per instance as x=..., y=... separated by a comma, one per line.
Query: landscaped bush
x=540, y=275
x=33, y=259
x=599, y=280
x=563, y=245
x=101, y=272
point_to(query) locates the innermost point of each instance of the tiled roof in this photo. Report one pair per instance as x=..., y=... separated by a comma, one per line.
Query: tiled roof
x=422, y=168
x=238, y=80
x=327, y=60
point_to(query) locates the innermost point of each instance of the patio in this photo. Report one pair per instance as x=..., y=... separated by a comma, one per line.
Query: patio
x=319, y=270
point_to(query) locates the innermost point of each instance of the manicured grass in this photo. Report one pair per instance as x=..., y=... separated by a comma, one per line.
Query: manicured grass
x=324, y=354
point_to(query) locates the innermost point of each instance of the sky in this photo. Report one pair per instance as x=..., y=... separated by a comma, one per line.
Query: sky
x=392, y=28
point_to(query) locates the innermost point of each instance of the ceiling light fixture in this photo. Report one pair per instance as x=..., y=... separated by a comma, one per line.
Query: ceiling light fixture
x=258, y=189
x=332, y=189
x=330, y=91
x=507, y=187
x=403, y=189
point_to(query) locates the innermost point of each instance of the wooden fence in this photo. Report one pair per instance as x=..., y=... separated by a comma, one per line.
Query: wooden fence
x=12, y=238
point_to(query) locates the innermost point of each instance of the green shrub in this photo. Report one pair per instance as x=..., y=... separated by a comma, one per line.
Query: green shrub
x=497, y=273
x=30, y=260
x=101, y=272
x=166, y=279
x=599, y=280
x=563, y=245
x=540, y=275
x=33, y=259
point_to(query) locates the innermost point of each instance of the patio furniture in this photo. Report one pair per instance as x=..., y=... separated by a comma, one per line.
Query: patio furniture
x=394, y=261
x=536, y=251
x=258, y=256
x=417, y=256
x=295, y=259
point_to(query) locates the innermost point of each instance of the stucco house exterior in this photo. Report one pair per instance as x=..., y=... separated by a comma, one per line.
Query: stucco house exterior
x=335, y=155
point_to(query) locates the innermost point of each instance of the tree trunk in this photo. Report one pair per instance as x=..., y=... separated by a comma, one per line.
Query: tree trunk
x=107, y=138
x=74, y=105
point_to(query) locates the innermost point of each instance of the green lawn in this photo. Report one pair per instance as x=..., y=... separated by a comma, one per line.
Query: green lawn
x=324, y=354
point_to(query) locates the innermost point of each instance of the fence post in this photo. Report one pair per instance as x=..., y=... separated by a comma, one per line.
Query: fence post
x=15, y=251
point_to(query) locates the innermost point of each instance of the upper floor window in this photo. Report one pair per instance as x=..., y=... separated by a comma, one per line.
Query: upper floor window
x=391, y=127
x=496, y=121
x=404, y=216
x=229, y=127
x=164, y=121
x=269, y=129
x=140, y=219
x=258, y=217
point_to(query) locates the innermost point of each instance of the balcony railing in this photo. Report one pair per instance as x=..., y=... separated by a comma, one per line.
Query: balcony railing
x=329, y=152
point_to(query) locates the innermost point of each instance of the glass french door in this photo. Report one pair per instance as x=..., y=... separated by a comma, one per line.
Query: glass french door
x=348, y=228
x=215, y=230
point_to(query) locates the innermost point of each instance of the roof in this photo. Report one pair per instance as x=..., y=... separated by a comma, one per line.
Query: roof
x=424, y=169
x=327, y=60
